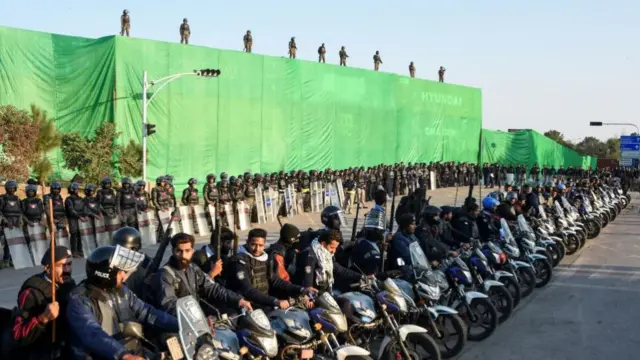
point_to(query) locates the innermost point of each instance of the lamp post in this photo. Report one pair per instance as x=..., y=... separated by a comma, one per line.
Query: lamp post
x=600, y=123
x=148, y=129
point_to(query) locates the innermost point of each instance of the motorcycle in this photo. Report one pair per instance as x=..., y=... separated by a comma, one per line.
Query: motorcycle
x=546, y=246
x=371, y=313
x=523, y=271
x=529, y=254
x=312, y=334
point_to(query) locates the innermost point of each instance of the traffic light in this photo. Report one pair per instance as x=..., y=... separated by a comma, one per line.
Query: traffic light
x=208, y=72
x=595, y=123
x=150, y=129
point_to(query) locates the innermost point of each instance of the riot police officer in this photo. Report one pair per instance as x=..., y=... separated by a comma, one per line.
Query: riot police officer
x=107, y=198
x=32, y=208
x=250, y=194
x=100, y=306
x=126, y=204
x=171, y=190
x=141, y=196
x=225, y=197
x=10, y=214
x=130, y=238
x=190, y=193
x=59, y=213
x=92, y=207
x=75, y=207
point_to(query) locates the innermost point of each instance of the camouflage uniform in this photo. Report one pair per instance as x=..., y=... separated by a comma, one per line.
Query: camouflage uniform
x=376, y=61
x=248, y=41
x=185, y=32
x=343, y=57
x=125, y=23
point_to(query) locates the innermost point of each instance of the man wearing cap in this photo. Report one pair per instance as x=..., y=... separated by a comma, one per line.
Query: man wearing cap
x=282, y=254
x=36, y=311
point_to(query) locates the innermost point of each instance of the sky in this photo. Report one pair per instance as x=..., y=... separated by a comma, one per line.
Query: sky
x=549, y=65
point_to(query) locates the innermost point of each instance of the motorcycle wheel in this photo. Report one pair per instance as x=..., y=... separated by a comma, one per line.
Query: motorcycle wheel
x=562, y=249
x=502, y=300
x=582, y=237
x=604, y=219
x=485, y=318
x=554, y=254
x=546, y=254
x=452, y=333
x=612, y=215
x=572, y=244
x=594, y=229
x=619, y=207
x=527, y=281
x=544, y=272
x=511, y=283
x=413, y=341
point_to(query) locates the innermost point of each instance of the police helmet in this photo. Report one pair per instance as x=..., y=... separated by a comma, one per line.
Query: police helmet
x=247, y=175
x=31, y=188
x=224, y=176
x=127, y=237
x=104, y=263
x=106, y=180
x=289, y=234
x=232, y=180
x=11, y=185
x=89, y=188
x=561, y=187
x=511, y=196
x=56, y=186
x=160, y=179
x=169, y=177
x=211, y=177
x=489, y=203
x=141, y=183
x=405, y=220
x=330, y=215
x=192, y=181
x=431, y=211
x=74, y=187
x=126, y=180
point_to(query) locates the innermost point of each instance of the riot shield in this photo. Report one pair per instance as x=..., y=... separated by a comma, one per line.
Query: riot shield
x=62, y=237
x=18, y=248
x=38, y=241
x=243, y=215
x=87, y=237
x=231, y=219
x=146, y=228
x=333, y=195
x=112, y=224
x=432, y=180
x=201, y=220
x=290, y=201
x=316, y=200
x=268, y=206
x=340, y=190
x=213, y=213
x=186, y=219
x=262, y=218
x=100, y=232
x=327, y=195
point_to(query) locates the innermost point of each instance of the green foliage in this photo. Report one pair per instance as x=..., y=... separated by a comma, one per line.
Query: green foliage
x=590, y=145
x=95, y=157
x=18, y=138
x=48, y=140
x=131, y=160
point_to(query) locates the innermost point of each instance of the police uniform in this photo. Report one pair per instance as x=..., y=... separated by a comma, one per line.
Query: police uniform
x=126, y=206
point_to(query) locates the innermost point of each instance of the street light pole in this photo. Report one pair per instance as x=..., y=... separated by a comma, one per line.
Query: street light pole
x=146, y=85
x=600, y=123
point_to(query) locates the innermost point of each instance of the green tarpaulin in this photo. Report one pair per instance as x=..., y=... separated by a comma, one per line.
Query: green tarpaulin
x=263, y=114
x=529, y=147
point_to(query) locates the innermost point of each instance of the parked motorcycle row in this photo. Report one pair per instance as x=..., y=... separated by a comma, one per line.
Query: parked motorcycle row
x=430, y=315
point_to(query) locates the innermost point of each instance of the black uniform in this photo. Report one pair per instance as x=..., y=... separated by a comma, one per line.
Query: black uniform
x=75, y=207
x=126, y=207
x=107, y=200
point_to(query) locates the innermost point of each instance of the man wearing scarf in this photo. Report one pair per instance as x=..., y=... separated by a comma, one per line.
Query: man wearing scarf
x=32, y=326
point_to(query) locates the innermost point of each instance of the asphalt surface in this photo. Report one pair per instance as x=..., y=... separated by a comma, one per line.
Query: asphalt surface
x=588, y=311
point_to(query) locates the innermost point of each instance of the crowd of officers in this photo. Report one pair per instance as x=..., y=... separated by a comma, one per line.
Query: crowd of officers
x=225, y=276
x=247, y=40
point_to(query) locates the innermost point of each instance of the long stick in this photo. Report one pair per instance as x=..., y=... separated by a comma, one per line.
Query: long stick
x=53, y=262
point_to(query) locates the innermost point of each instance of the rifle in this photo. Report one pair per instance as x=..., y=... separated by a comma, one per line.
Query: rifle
x=218, y=224
x=53, y=261
x=355, y=221
x=391, y=220
x=157, y=258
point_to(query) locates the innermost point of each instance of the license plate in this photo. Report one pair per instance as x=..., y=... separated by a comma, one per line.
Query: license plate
x=306, y=354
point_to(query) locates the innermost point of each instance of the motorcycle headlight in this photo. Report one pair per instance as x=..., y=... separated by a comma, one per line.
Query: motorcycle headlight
x=467, y=274
x=340, y=321
x=205, y=352
x=441, y=279
x=363, y=310
x=270, y=345
x=431, y=292
x=401, y=302
x=261, y=319
x=297, y=328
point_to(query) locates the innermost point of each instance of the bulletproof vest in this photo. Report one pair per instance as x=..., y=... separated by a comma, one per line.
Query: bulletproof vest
x=211, y=192
x=107, y=198
x=92, y=205
x=249, y=190
x=58, y=206
x=224, y=194
x=141, y=201
x=282, y=183
x=179, y=287
x=258, y=270
x=192, y=197
x=11, y=206
x=126, y=19
x=111, y=308
x=164, y=198
x=328, y=178
x=306, y=183
x=33, y=208
x=185, y=27
x=372, y=178
x=78, y=204
x=127, y=199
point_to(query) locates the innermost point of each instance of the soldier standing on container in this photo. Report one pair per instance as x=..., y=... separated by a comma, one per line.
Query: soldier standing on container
x=441, y=74
x=248, y=41
x=125, y=23
x=321, y=51
x=377, y=60
x=412, y=70
x=185, y=32
x=292, y=48
x=343, y=56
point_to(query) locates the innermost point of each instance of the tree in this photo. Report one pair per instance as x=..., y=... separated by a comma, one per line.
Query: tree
x=592, y=146
x=48, y=139
x=93, y=157
x=131, y=159
x=18, y=137
x=558, y=137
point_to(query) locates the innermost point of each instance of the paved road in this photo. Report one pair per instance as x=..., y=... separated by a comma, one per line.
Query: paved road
x=11, y=280
x=589, y=311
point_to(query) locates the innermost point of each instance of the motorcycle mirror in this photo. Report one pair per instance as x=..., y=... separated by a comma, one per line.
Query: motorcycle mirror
x=400, y=262
x=225, y=317
x=133, y=330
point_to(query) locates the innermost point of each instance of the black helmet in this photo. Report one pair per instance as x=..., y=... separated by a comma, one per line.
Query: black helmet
x=127, y=237
x=31, y=188
x=332, y=217
x=224, y=176
x=211, y=177
x=160, y=179
x=104, y=263
x=74, y=187
x=126, y=180
x=56, y=186
x=106, y=180
x=11, y=184
x=141, y=183
x=232, y=180
x=169, y=178
x=429, y=212
x=289, y=234
x=192, y=181
x=89, y=187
